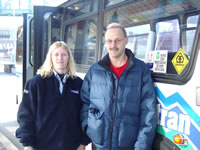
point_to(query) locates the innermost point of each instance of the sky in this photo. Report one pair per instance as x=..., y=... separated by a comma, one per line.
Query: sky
x=24, y=4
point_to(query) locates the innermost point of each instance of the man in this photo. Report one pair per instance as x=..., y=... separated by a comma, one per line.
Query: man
x=119, y=99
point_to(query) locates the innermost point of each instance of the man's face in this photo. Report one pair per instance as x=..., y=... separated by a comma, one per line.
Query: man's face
x=115, y=42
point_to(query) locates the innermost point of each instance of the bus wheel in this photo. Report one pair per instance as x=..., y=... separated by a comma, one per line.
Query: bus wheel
x=163, y=143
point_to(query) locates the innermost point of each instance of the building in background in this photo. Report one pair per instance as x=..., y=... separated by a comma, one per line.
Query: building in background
x=11, y=29
x=8, y=38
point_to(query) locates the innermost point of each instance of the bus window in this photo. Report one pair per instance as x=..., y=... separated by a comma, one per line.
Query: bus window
x=83, y=7
x=192, y=21
x=81, y=38
x=112, y=2
x=51, y=30
x=19, y=46
x=155, y=30
x=137, y=39
x=168, y=34
x=190, y=32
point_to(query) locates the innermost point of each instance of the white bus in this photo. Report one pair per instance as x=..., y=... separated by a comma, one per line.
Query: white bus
x=163, y=33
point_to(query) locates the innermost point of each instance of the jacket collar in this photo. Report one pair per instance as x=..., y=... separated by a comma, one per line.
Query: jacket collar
x=53, y=75
x=105, y=62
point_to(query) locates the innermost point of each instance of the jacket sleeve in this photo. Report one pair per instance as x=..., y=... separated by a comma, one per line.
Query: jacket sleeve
x=26, y=116
x=85, y=98
x=148, y=114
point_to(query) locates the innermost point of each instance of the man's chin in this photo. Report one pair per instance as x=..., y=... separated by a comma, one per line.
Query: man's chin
x=114, y=52
x=115, y=55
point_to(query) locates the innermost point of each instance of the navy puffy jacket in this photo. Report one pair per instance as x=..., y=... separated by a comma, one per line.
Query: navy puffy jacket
x=120, y=114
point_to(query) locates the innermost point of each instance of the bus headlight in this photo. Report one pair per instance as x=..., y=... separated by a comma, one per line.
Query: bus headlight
x=180, y=140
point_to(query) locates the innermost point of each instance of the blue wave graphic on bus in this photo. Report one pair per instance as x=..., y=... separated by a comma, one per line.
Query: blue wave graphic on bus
x=176, y=97
x=194, y=133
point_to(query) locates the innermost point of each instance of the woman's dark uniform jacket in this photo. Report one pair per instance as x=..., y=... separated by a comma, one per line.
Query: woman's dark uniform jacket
x=49, y=120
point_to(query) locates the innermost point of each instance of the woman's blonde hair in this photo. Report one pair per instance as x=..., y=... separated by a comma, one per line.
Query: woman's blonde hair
x=47, y=68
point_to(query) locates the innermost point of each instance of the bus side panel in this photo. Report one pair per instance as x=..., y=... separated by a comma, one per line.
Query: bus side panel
x=178, y=112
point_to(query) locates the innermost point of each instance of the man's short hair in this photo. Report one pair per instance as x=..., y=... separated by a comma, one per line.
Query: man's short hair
x=116, y=25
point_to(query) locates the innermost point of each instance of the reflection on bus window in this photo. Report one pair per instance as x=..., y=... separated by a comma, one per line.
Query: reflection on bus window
x=112, y=2
x=168, y=34
x=151, y=29
x=85, y=6
x=81, y=38
x=137, y=39
x=192, y=21
x=19, y=47
x=51, y=30
x=190, y=32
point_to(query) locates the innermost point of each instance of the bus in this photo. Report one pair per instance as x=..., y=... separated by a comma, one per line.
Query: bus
x=10, y=34
x=7, y=49
x=165, y=34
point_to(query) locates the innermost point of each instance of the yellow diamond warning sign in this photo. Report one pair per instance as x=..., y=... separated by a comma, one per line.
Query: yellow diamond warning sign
x=180, y=61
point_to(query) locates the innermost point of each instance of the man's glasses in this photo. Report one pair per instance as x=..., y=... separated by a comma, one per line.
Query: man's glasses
x=118, y=41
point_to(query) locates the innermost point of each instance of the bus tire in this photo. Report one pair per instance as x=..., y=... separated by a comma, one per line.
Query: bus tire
x=163, y=143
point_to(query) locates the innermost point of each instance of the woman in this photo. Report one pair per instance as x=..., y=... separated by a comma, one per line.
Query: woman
x=49, y=114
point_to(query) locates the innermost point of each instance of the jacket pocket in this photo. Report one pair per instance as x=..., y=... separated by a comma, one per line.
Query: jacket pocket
x=127, y=133
x=95, y=128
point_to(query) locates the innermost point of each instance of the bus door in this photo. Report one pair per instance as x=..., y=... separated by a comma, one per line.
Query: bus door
x=47, y=29
x=40, y=32
x=27, y=42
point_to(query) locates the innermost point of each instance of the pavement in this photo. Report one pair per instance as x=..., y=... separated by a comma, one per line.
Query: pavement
x=10, y=91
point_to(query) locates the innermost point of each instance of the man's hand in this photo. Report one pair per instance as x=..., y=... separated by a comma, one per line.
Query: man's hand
x=28, y=148
x=81, y=147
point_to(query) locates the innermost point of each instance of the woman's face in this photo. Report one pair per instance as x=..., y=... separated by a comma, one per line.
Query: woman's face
x=60, y=60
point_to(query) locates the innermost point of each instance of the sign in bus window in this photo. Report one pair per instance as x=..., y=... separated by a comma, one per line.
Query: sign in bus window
x=167, y=34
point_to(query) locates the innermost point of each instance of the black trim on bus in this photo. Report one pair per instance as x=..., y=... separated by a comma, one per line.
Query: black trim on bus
x=29, y=46
x=24, y=50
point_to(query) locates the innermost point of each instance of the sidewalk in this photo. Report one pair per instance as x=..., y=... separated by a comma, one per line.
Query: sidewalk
x=2, y=147
x=10, y=88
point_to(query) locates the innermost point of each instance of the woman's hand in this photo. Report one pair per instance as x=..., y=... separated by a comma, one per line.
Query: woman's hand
x=28, y=148
x=81, y=147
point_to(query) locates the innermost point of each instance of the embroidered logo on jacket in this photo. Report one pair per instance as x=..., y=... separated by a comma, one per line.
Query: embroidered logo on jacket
x=75, y=91
x=26, y=91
